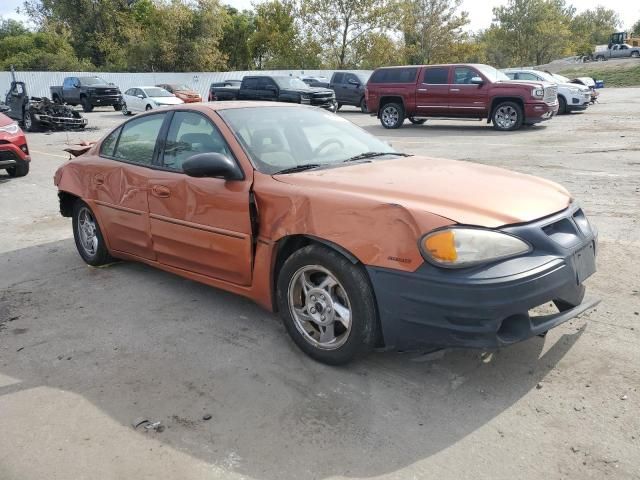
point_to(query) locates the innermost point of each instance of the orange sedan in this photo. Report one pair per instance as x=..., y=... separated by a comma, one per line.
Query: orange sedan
x=356, y=245
x=184, y=93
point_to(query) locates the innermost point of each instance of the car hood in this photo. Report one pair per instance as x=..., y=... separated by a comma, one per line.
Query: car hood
x=464, y=192
x=185, y=92
x=4, y=120
x=167, y=100
x=582, y=88
x=521, y=83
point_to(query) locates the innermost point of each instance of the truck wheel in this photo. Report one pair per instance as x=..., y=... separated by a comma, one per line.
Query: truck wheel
x=635, y=54
x=338, y=107
x=86, y=104
x=600, y=58
x=117, y=107
x=562, y=109
x=327, y=305
x=30, y=123
x=363, y=106
x=507, y=116
x=417, y=121
x=20, y=169
x=392, y=115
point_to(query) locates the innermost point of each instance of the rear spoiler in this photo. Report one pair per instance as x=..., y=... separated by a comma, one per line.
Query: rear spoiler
x=80, y=148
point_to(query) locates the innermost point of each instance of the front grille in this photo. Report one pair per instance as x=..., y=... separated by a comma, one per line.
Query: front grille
x=8, y=155
x=551, y=94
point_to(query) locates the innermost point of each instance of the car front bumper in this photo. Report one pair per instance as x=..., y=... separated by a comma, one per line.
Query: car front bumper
x=490, y=306
x=108, y=100
x=539, y=112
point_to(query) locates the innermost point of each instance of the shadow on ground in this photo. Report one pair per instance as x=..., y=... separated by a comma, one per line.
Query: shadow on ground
x=136, y=342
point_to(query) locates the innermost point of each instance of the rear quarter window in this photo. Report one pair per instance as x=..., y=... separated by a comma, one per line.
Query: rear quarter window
x=108, y=146
x=394, y=75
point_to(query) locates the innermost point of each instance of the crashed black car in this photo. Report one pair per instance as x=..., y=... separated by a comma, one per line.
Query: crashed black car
x=37, y=113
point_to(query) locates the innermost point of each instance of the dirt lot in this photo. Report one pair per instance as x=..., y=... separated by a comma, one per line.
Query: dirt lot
x=85, y=351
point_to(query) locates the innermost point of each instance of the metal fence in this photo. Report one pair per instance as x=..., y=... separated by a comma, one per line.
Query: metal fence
x=38, y=83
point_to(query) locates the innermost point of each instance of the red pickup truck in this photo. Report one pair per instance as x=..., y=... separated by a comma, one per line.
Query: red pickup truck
x=458, y=91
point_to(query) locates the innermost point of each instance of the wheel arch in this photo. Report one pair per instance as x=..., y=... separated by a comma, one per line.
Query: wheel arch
x=288, y=245
x=499, y=100
x=390, y=99
x=67, y=200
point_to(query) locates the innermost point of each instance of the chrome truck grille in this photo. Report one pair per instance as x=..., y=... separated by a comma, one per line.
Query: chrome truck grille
x=551, y=94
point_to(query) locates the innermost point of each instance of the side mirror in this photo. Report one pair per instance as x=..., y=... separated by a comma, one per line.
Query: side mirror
x=353, y=82
x=477, y=81
x=212, y=165
x=140, y=96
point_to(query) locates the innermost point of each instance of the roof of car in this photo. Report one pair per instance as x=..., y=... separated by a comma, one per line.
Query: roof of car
x=233, y=104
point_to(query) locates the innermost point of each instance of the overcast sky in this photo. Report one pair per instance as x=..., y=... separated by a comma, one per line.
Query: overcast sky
x=479, y=10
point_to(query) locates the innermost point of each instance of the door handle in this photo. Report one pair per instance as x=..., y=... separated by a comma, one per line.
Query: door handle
x=160, y=191
x=98, y=179
x=454, y=90
x=422, y=89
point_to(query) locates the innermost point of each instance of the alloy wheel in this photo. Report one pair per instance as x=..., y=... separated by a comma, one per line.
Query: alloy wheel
x=506, y=117
x=320, y=307
x=87, y=231
x=390, y=116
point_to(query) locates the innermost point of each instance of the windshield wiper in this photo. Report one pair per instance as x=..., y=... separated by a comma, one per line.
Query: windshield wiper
x=298, y=168
x=366, y=155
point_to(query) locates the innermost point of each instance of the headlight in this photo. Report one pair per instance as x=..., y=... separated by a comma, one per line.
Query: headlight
x=458, y=247
x=538, y=92
x=12, y=128
x=305, y=97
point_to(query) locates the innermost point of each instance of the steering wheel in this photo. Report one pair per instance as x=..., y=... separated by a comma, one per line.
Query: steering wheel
x=326, y=143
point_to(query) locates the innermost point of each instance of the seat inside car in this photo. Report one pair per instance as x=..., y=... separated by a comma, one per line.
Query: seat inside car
x=269, y=145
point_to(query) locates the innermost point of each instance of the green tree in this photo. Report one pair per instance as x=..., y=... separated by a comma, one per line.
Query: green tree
x=235, y=38
x=636, y=28
x=11, y=28
x=430, y=28
x=593, y=27
x=533, y=31
x=376, y=49
x=339, y=25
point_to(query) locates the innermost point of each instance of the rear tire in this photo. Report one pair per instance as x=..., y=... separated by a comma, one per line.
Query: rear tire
x=562, y=109
x=635, y=54
x=315, y=315
x=507, y=116
x=86, y=104
x=392, y=115
x=88, y=236
x=417, y=121
x=20, y=169
x=363, y=106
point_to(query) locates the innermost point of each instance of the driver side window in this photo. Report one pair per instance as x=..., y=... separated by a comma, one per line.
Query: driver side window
x=189, y=134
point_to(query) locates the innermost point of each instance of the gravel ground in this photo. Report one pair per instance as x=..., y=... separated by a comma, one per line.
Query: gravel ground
x=85, y=351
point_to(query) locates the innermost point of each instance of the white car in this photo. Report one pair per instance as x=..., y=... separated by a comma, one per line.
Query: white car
x=141, y=99
x=571, y=97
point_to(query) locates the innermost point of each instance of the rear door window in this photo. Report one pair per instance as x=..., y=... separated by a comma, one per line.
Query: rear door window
x=394, y=75
x=436, y=76
x=138, y=139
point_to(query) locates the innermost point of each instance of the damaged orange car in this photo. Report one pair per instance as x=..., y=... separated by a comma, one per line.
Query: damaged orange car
x=356, y=245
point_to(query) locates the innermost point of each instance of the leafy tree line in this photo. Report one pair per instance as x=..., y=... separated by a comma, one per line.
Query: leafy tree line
x=206, y=35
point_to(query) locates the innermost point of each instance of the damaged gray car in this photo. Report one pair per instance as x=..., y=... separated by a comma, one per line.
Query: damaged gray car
x=40, y=113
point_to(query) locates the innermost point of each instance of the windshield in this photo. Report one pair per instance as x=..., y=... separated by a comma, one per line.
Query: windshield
x=560, y=78
x=93, y=81
x=286, y=82
x=157, y=92
x=279, y=138
x=180, y=87
x=547, y=77
x=491, y=73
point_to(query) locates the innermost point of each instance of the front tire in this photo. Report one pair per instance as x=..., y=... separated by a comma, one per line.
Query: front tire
x=562, y=109
x=88, y=236
x=507, y=116
x=327, y=305
x=20, y=169
x=635, y=54
x=392, y=115
x=148, y=107
x=125, y=110
x=117, y=107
